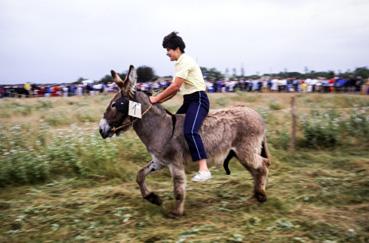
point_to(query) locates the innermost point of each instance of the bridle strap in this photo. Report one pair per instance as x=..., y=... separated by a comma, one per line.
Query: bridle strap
x=127, y=124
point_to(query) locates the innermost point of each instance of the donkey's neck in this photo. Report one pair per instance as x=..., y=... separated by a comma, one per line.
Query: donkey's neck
x=155, y=127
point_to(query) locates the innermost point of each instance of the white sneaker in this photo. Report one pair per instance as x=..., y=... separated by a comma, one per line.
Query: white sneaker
x=202, y=176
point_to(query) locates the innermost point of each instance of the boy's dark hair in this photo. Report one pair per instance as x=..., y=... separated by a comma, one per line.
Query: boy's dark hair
x=172, y=41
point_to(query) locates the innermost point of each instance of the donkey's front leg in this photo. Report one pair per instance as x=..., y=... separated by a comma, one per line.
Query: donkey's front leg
x=179, y=183
x=150, y=196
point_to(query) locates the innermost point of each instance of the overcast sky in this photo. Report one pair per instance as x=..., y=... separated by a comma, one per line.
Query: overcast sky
x=62, y=40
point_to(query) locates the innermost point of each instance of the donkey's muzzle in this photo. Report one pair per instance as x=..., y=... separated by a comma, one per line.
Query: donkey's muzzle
x=103, y=135
x=104, y=129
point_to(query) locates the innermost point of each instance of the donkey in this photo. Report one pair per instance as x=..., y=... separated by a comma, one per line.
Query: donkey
x=231, y=132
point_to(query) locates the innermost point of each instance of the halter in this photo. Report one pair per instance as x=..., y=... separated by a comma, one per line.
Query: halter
x=127, y=124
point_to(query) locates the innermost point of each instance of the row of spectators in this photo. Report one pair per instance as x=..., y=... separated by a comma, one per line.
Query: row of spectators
x=85, y=88
x=290, y=85
x=28, y=90
x=249, y=85
x=277, y=85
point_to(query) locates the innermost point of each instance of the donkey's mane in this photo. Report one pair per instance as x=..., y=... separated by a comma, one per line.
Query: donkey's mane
x=161, y=108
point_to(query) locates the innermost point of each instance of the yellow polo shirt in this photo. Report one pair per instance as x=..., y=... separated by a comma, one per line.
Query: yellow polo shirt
x=190, y=71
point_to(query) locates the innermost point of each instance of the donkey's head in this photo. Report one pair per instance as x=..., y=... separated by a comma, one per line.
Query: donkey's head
x=116, y=117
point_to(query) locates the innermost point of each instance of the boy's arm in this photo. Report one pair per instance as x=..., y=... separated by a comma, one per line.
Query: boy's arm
x=169, y=92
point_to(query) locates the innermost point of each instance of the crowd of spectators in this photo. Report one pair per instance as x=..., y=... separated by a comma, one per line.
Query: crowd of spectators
x=50, y=90
x=264, y=84
x=276, y=84
x=85, y=88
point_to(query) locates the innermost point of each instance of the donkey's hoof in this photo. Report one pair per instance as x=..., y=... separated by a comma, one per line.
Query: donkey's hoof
x=174, y=214
x=153, y=198
x=260, y=196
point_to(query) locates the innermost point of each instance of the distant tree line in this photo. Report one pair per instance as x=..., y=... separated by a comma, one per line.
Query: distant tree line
x=212, y=74
x=362, y=72
x=147, y=74
x=144, y=74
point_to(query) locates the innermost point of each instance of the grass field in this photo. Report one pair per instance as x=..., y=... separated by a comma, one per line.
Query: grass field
x=61, y=182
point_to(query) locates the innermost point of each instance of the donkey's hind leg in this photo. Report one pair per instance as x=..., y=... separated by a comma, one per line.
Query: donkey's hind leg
x=258, y=168
x=140, y=179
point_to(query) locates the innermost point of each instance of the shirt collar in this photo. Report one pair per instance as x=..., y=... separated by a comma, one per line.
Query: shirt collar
x=180, y=58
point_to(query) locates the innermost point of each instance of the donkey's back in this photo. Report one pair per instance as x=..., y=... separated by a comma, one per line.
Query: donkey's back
x=236, y=130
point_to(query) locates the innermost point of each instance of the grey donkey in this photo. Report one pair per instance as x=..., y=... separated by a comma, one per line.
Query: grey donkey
x=230, y=132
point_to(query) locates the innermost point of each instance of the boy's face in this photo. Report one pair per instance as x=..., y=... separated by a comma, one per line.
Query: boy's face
x=173, y=54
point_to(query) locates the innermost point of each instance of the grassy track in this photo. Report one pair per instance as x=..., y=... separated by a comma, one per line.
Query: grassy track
x=314, y=194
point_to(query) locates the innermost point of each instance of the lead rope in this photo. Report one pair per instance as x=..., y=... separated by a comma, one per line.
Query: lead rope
x=114, y=129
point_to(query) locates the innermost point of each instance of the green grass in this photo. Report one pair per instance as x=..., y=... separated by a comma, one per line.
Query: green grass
x=86, y=189
x=311, y=198
x=275, y=106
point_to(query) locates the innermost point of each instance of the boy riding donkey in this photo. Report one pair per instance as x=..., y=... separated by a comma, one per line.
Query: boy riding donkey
x=189, y=82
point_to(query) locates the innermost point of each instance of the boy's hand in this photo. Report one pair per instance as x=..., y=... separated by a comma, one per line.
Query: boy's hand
x=153, y=99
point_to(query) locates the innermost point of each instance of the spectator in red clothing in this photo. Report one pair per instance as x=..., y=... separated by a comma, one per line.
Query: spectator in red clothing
x=331, y=84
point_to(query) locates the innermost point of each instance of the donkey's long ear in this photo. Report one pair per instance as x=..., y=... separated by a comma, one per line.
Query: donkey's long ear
x=130, y=82
x=117, y=79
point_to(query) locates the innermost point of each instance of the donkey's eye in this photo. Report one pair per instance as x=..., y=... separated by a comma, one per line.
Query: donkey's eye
x=113, y=104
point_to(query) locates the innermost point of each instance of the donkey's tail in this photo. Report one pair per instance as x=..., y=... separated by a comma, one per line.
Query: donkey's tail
x=265, y=152
x=226, y=161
